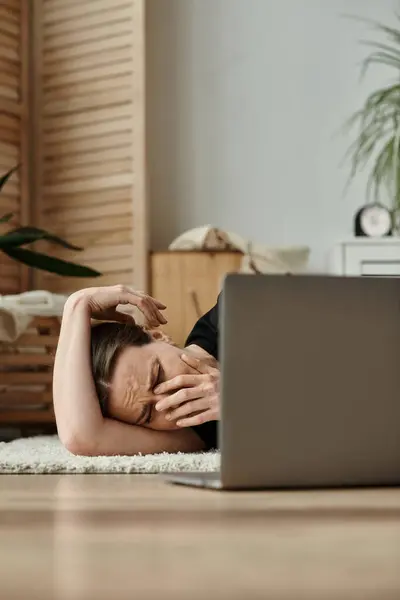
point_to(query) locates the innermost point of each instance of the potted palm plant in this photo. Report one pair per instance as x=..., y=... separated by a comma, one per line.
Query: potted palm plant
x=376, y=125
x=13, y=243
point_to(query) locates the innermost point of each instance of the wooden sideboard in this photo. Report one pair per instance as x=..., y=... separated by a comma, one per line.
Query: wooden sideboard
x=189, y=283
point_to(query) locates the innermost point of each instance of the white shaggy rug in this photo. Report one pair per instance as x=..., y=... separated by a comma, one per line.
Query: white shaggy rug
x=45, y=454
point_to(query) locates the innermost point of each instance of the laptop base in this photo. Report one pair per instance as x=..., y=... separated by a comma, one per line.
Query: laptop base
x=197, y=479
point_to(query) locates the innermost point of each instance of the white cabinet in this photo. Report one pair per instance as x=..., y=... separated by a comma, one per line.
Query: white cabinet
x=366, y=256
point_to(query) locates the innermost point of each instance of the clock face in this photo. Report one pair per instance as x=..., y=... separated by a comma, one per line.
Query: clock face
x=375, y=221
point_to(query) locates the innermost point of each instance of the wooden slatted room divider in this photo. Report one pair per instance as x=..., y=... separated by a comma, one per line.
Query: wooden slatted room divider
x=87, y=138
x=14, y=130
x=72, y=114
x=89, y=125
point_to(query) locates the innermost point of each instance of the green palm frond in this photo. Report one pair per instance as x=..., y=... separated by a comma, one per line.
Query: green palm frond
x=50, y=264
x=6, y=177
x=376, y=125
x=26, y=235
x=12, y=241
x=389, y=59
x=6, y=218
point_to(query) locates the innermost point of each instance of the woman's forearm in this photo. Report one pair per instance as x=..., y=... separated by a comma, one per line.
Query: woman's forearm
x=77, y=409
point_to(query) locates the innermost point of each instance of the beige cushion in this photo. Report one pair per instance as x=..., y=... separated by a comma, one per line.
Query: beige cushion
x=256, y=257
x=275, y=260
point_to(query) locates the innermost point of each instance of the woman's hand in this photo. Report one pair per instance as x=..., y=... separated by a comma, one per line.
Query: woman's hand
x=193, y=399
x=102, y=303
x=202, y=355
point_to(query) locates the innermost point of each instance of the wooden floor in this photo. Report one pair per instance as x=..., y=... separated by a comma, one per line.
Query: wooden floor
x=119, y=536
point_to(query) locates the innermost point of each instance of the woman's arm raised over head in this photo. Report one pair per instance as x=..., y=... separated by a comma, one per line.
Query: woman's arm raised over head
x=81, y=426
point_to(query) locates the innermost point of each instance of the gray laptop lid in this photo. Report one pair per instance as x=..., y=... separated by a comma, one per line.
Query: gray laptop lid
x=310, y=370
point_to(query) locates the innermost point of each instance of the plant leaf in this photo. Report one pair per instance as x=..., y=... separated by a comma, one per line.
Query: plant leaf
x=6, y=218
x=384, y=47
x=365, y=144
x=395, y=166
x=27, y=235
x=377, y=123
x=49, y=263
x=6, y=177
x=380, y=58
x=379, y=106
x=383, y=169
x=392, y=33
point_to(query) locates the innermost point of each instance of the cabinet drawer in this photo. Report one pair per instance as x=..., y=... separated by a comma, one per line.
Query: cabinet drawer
x=380, y=269
x=372, y=259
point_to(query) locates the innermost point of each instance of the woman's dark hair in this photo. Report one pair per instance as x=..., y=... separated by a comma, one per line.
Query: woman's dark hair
x=107, y=342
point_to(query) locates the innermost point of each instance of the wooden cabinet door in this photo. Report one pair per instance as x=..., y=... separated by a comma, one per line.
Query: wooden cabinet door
x=189, y=283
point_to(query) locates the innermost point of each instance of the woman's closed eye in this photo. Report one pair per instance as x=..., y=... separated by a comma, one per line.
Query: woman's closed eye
x=158, y=378
x=149, y=414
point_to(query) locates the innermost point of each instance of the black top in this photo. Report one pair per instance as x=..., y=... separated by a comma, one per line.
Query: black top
x=205, y=335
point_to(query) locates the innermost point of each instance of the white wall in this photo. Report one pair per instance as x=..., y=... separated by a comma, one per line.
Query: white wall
x=246, y=98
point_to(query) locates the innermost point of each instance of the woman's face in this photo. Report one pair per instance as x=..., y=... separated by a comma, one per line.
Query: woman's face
x=137, y=372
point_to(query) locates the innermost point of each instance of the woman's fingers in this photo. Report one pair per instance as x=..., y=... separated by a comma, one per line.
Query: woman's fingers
x=180, y=397
x=203, y=355
x=102, y=300
x=199, y=419
x=146, y=304
x=188, y=409
x=156, y=302
x=195, y=363
x=176, y=383
x=172, y=401
x=151, y=312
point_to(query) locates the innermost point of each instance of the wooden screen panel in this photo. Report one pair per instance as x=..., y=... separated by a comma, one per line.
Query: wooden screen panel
x=89, y=124
x=13, y=130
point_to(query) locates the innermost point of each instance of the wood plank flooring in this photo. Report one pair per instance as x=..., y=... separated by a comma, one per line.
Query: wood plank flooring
x=82, y=537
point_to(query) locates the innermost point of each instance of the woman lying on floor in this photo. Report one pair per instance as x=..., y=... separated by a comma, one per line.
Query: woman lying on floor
x=119, y=389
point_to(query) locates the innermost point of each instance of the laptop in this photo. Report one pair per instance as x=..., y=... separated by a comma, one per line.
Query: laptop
x=310, y=396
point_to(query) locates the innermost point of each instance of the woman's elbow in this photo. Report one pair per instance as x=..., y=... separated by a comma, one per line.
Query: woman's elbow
x=77, y=446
